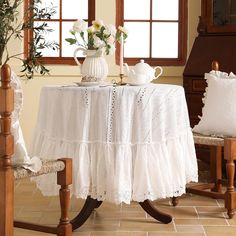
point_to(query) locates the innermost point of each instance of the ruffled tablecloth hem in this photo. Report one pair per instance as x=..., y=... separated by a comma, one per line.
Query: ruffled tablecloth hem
x=123, y=172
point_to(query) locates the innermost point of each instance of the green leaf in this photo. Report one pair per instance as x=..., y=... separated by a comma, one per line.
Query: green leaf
x=71, y=41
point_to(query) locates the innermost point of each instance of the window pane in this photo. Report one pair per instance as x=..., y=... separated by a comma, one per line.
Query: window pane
x=75, y=9
x=55, y=4
x=67, y=49
x=137, y=44
x=165, y=40
x=51, y=36
x=165, y=9
x=136, y=9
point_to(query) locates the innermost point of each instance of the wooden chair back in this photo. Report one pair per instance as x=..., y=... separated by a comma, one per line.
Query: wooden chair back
x=8, y=174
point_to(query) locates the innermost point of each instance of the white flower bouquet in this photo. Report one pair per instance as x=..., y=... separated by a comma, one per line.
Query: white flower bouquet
x=97, y=36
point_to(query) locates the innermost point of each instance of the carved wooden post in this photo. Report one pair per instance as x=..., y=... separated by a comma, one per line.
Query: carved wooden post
x=6, y=150
x=216, y=168
x=230, y=157
x=64, y=178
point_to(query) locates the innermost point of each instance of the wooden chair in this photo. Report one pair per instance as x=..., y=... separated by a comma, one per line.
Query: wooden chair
x=8, y=174
x=217, y=145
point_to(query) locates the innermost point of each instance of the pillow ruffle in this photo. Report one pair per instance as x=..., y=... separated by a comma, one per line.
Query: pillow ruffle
x=20, y=156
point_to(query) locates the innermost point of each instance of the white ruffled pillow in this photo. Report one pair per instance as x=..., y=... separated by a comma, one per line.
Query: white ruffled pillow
x=20, y=152
x=219, y=110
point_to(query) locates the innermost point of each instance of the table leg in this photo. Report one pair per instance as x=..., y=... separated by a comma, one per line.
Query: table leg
x=152, y=211
x=99, y=203
x=90, y=204
x=85, y=212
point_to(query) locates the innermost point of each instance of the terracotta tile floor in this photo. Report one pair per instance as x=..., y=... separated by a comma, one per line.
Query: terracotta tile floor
x=194, y=216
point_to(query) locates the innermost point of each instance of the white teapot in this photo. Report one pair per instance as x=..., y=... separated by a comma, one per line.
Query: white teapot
x=142, y=73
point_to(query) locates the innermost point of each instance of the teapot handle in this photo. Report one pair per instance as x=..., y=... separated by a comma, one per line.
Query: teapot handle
x=161, y=70
x=75, y=53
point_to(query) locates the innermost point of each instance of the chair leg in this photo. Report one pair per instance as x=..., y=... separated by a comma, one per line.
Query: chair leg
x=64, y=178
x=6, y=199
x=230, y=169
x=175, y=201
x=216, y=168
x=230, y=195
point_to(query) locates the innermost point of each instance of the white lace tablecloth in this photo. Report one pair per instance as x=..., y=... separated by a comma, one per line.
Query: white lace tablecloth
x=127, y=142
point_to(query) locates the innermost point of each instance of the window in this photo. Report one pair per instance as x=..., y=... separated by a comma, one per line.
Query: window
x=66, y=13
x=157, y=31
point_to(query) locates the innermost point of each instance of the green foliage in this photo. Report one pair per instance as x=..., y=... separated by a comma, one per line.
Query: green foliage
x=98, y=36
x=12, y=26
x=71, y=41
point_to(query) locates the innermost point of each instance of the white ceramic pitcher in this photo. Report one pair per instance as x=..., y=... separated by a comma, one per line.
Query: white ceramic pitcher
x=94, y=67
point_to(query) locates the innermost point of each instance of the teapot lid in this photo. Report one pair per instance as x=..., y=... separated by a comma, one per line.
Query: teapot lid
x=143, y=68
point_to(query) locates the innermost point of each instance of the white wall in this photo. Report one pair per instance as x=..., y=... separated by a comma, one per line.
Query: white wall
x=105, y=9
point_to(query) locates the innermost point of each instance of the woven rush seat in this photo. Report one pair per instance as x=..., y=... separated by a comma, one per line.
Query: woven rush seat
x=207, y=140
x=48, y=166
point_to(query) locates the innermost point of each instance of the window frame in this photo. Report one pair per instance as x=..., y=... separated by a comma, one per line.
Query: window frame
x=57, y=60
x=182, y=37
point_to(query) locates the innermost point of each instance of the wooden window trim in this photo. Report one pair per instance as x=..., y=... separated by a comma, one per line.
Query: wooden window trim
x=58, y=60
x=183, y=13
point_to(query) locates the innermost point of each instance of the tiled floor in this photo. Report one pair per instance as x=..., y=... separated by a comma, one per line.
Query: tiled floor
x=194, y=216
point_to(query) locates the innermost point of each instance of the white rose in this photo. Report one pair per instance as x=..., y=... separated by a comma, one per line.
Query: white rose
x=123, y=29
x=111, y=40
x=79, y=26
x=98, y=43
x=97, y=24
x=91, y=29
x=110, y=29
